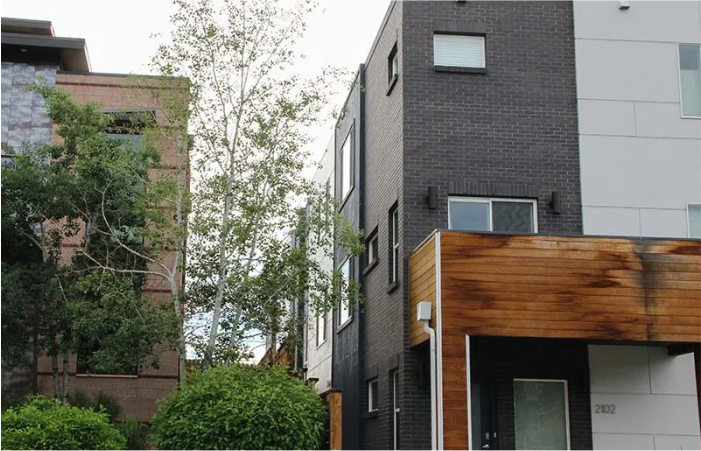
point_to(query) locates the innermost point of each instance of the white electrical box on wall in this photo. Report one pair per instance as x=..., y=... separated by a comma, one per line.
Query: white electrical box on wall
x=423, y=311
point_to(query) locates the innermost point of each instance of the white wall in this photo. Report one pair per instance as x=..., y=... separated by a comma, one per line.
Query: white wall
x=640, y=166
x=318, y=359
x=640, y=160
x=654, y=397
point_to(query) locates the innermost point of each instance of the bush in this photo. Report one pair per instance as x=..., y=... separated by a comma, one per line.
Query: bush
x=136, y=434
x=102, y=403
x=240, y=408
x=44, y=423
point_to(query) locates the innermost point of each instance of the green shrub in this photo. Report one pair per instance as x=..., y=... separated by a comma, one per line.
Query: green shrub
x=44, y=423
x=102, y=402
x=136, y=434
x=240, y=408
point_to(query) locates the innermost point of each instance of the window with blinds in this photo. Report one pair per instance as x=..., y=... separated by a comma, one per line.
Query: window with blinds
x=458, y=51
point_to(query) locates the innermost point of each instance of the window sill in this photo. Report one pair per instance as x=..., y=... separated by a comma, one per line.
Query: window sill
x=392, y=83
x=344, y=325
x=108, y=376
x=393, y=286
x=464, y=70
x=370, y=266
x=371, y=415
x=322, y=343
x=345, y=199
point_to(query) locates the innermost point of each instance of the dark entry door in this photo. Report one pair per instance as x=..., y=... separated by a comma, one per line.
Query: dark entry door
x=484, y=433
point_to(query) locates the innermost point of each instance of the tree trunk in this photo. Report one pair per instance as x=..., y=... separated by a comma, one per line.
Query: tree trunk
x=54, y=375
x=35, y=362
x=64, y=394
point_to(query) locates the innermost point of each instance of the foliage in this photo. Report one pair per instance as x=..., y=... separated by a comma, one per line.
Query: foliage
x=239, y=407
x=94, y=190
x=136, y=434
x=101, y=403
x=250, y=118
x=43, y=423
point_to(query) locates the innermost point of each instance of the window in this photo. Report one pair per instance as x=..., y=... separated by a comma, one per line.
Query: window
x=492, y=215
x=541, y=414
x=395, y=408
x=450, y=50
x=392, y=65
x=371, y=249
x=393, y=244
x=344, y=310
x=320, y=328
x=690, y=79
x=346, y=167
x=694, y=216
x=372, y=396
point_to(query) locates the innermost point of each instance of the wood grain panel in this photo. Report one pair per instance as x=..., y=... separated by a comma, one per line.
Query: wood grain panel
x=422, y=287
x=588, y=288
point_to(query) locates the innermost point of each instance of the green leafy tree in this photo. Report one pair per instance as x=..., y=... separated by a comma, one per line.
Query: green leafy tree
x=44, y=423
x=250, y=117
x=239, y=407
x=95, y=191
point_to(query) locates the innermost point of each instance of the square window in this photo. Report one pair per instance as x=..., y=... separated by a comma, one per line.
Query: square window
x=346, y=167
x=344, y=310
x=694, y=213
x=690, y=79
x=373, y=403
x=492, y=215
x=451, y=50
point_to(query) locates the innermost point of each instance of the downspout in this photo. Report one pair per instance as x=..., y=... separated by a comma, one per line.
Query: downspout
x=424, y=315
x=439, y=342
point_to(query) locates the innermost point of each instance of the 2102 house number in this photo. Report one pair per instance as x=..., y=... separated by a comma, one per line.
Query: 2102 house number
x=605, y=408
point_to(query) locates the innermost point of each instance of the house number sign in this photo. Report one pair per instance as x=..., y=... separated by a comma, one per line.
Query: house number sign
x=608, y=409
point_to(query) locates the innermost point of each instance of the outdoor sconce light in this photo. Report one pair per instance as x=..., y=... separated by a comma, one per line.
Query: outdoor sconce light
x=432, y=198
x=556, y=203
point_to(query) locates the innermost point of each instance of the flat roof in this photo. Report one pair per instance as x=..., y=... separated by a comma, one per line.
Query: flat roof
x=27, y=26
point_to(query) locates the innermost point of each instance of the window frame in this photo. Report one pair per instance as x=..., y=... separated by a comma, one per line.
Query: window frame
x=351, y=167
x=393, y=244
x=373, y=404
x=392, y=68
x=688, y=218
x=347, y=306
x=372, y=250
x=394, y=375
x=567, y=403
x=475, y=69
x=489, y=200
x=321, y=318
x=679, y=78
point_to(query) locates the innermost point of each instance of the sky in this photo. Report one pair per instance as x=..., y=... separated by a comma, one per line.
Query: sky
x=120, y=36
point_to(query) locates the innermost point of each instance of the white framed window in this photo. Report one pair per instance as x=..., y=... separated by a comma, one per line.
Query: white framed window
x=393, y=244
x=321, y=328
x=347, y=166
x=344, y=310
x=392, y=65
x=451, y=50
x=690, y=79
x=373, y=400
x=477, y=214
x=693, y=214
x=395, y=408
x=541, y=414
x=371, y=249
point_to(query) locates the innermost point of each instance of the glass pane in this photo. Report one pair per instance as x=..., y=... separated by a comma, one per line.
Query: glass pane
x=344, y=309
x=690, y=74
x=476, y=416
x=346, y=175
x=472, y=216
x=512, y=217
x=540, y=415
x=695, y=221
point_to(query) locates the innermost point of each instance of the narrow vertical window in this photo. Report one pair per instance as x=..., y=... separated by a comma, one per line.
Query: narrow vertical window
x=373, y=395
x=346, y=167
x=395, y=409
x=320, y=328
x=690, y=79
x=694, y=212
x=393, y=245
x=392, y=65
x=344, y=310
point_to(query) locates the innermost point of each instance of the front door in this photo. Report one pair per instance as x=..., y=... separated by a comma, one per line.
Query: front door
x=483, y=433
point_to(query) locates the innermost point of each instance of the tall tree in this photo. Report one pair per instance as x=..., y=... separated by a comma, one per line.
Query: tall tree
x=250, y=118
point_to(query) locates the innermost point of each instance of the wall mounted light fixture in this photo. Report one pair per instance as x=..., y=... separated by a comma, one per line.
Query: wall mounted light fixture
x=556, y=203
x=432, y=198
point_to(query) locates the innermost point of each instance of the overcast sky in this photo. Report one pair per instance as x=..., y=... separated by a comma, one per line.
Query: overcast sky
x=118, y=34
